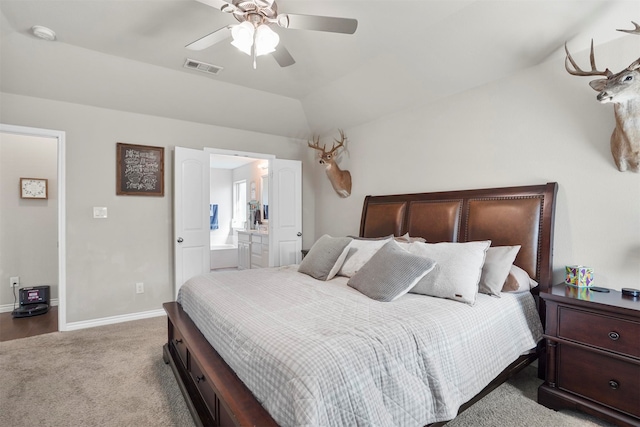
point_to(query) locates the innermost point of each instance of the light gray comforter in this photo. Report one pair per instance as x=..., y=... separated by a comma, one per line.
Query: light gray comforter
x=322, y=354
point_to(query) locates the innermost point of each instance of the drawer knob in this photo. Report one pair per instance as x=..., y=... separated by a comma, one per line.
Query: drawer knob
x=614, y=335
x=201, y=378
x=614, y=384
x=177, y=341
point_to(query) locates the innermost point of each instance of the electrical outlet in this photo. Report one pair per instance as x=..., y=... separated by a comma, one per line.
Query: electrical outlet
x=14, y=282
x=139, y=288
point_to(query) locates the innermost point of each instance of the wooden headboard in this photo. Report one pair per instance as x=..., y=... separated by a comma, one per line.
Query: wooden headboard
x=506, y=216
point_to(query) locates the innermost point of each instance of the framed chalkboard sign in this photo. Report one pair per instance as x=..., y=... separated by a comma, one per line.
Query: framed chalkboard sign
x=140, y=170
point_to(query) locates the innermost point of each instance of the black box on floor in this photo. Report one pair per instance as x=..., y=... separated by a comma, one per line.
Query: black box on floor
x=34, y=295
x=34, y=300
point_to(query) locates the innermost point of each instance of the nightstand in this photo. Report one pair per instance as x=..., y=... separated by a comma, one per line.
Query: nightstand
x=593, y=353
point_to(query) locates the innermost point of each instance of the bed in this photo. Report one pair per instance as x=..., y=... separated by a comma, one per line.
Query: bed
x=242, y=380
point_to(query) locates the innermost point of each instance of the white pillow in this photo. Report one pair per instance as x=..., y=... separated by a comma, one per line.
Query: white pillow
x=457, y=271
x=360, y=251
x=496, y=268
x=518, y=280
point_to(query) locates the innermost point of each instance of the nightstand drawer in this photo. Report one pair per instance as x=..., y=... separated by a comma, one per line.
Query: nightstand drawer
x=609, y=333
x=603, y=379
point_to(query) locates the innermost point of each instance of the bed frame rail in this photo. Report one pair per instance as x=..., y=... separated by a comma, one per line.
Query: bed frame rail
x=214, y=394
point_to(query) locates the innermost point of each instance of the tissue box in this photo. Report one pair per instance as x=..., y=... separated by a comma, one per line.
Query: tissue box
x=578, y=292
x=579, y=275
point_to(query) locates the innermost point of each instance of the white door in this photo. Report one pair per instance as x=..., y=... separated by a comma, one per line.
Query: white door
x=191, y=214
x=285, y=212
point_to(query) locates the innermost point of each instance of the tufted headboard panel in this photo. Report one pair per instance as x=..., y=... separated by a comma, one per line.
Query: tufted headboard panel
x=506, y=216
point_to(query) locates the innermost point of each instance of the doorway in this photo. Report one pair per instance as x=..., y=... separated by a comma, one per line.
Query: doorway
x=192, y=214
x=53, y=206
x=236, y=183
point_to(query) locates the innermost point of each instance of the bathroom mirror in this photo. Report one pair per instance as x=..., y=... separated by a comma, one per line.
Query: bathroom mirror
x=264, y=190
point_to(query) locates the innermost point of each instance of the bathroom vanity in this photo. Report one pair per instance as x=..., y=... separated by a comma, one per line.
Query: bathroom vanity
x=253, y=249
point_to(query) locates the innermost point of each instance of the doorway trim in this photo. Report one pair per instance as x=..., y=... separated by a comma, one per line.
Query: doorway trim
x=238, y=153
x=62, y=253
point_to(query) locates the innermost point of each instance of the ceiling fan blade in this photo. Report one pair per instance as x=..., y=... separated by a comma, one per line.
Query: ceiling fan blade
x=317, y=23
x=210, y=39
x=283, y=57
x=220, y=5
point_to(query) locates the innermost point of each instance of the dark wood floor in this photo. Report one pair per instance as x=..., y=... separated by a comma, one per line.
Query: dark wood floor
x=21, y=327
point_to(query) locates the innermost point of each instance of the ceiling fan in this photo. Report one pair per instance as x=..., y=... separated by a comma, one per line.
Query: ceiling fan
x=253, y=34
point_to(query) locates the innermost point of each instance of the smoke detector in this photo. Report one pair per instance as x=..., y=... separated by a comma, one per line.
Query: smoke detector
x=202, y=66
x=43, y=33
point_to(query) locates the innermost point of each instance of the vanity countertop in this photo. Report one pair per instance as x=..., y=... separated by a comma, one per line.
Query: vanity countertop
x=253, y=231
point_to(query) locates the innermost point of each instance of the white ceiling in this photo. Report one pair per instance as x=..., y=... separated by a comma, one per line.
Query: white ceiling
x=129, y=55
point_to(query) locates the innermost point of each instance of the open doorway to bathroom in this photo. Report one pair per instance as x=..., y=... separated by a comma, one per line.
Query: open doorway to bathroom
x=239, y=190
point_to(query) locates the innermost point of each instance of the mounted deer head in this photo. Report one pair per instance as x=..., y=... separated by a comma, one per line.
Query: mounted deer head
x=623, y=90
x=340, y=180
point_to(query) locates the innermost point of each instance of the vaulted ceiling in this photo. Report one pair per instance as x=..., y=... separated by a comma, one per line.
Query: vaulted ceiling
x=129, y=55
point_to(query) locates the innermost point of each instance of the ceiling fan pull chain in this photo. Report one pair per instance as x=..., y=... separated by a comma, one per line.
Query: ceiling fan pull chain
x=253, y=51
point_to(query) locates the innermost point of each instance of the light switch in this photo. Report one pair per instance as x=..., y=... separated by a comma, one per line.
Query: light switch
x=99, y=212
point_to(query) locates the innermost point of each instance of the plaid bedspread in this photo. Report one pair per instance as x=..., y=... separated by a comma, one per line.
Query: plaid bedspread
x=322, y=354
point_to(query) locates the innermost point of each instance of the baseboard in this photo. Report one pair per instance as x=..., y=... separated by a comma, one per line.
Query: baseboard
x=84, y=324
x=7, y=308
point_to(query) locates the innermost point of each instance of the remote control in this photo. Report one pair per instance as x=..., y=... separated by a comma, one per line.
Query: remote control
x=631, y=292
x=598, y=289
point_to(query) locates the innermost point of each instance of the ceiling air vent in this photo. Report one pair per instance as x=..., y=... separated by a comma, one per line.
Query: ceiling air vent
x=202, y=66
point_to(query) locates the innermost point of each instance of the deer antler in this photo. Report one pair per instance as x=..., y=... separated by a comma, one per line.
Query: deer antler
x=334, y=147
x=578, y=72
x=634, y=31
x=340, y=143
x=316, y=144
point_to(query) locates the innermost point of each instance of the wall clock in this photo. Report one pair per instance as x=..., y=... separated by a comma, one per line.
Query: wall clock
x=33, y=188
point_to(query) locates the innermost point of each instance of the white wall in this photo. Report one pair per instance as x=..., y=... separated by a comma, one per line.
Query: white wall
x=28, y=227
x=537, y=126
x=105, y=258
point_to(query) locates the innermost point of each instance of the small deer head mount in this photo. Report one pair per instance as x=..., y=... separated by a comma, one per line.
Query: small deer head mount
x=340, y=180
x=623, y=90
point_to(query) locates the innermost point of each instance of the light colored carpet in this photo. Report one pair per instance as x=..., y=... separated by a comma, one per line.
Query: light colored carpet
x=115, y=376
x=514, y=404
x=105, y=376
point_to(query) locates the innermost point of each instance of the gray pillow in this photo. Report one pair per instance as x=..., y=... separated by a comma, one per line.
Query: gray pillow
x=360, y=251
x=390, y=273
x=325, y=257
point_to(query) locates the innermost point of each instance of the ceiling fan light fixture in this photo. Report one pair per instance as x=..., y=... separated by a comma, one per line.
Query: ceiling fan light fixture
x=266, y=40
x=243, y=36
x=254, y=34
